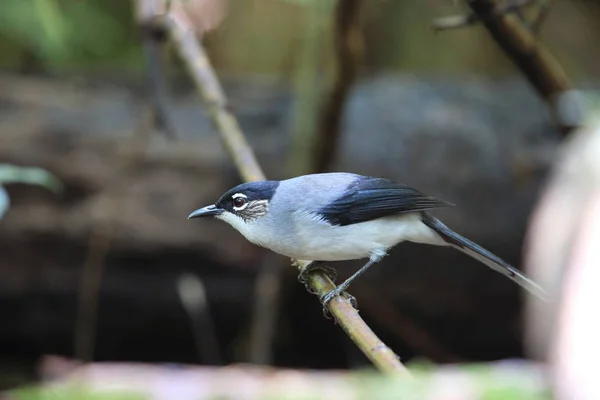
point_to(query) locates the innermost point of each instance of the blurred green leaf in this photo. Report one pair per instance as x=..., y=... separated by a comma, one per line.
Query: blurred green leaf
x=302, y=2
x=169, y=2
x=71, y=392
x=37, y=25
x=90, y=33
x=592, y=102
x=4, y=201
x=53, y=24
x=577, y=107
x=30, y=175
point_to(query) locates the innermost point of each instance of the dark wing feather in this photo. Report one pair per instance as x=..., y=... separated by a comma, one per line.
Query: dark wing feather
x=370, y=198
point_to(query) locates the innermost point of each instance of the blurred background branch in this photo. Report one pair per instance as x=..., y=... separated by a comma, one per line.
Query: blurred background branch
x=519, y=43
x=153, y=43
x=311, y=77
x=107, y=213
x=267, y=304
x=349, y=52
x=192, y=293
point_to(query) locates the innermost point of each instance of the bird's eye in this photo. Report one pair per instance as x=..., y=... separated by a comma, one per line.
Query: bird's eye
x=239, y=202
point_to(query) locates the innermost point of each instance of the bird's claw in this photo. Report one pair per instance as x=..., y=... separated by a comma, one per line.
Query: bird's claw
x=316, y=266
x=327, y=297
x=338, y=291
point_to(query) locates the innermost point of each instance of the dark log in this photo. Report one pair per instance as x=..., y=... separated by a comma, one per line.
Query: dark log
x=485, y=146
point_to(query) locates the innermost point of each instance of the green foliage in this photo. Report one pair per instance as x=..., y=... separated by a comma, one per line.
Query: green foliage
x=28, y=175
x=591, y=103
x=86, y=36
x=168, y=3
x=4, y=201
x=71, y=393
x=68, y=32
x=470, y=381
x=579, y=107
x=302, y=2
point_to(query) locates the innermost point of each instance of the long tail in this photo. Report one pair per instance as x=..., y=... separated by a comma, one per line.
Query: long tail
x=479, y=253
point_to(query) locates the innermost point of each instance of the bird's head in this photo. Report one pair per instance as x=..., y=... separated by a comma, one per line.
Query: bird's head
x=241, y=205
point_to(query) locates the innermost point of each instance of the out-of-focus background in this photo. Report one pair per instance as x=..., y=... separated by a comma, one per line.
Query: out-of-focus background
x=101, y=205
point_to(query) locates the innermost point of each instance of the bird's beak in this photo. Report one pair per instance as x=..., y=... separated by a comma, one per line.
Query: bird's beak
x=206, y=212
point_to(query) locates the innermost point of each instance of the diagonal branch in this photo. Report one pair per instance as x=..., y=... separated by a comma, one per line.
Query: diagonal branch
x=460, y=21
x=193, y=55
x=533, y=59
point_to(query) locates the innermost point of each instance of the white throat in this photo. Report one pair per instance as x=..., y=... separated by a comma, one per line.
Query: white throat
x=243, y=227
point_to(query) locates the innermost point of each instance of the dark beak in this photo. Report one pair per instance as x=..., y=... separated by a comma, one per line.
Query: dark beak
x=206, y=212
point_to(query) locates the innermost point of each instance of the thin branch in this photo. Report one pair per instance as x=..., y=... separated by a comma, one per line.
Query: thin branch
x=267, y=283
x=192, y=53
x=192, y=294
x=196, y=60
x=461, y=21
x=265, y=312
x=156, y=80
x=153, y=40
x=533, y=59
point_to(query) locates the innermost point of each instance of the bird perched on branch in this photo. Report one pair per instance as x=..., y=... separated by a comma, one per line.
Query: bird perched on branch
x=343, y=216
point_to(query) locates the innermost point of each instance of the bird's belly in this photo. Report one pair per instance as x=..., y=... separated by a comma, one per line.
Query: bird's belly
x=332, y=249
x=323, y=242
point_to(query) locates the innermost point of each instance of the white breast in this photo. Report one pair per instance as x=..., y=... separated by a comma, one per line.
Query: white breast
x=309, y=238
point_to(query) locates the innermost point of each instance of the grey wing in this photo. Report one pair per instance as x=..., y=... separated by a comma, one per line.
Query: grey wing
x=369, y=198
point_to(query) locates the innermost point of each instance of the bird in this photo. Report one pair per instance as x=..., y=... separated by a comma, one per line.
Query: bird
x=338, y=216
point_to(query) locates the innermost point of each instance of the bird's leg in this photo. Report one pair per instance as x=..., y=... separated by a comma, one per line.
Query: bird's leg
x=341, y=288
x=316, y=266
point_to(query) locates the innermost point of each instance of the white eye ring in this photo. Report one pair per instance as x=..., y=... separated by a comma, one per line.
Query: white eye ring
x=239, y=201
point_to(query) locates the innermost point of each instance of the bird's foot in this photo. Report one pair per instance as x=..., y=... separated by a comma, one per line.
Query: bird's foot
x=338, y=291
x=316, y=266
